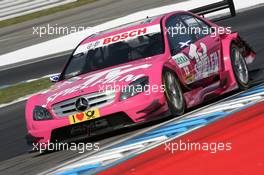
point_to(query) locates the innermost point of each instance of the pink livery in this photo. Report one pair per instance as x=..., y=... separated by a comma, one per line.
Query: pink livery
x=138, y=72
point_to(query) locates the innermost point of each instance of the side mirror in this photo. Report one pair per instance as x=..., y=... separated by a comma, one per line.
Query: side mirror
x=55, y=78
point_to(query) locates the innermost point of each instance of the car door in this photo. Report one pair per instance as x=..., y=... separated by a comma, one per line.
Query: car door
x=179, y=42
x=205, y=50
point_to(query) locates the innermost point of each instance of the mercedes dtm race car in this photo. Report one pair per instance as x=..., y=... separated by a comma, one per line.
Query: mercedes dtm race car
x=139, y=72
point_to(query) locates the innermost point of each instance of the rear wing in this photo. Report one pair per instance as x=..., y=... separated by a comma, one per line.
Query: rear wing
x=224, y=4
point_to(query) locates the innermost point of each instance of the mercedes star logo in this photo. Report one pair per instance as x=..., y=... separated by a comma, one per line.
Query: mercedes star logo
x=81, y=104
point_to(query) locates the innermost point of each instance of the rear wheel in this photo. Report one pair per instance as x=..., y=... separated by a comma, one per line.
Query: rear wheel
x=173, y=93
x=240, y=68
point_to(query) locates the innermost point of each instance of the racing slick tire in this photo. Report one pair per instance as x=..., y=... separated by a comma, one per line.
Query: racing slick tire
x=173, y=93
x=240, y=67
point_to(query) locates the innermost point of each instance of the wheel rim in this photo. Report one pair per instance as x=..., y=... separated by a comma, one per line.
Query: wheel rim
x=240, y=66
x=173, y=91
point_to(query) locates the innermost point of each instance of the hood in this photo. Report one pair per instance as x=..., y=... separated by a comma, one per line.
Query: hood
x=100, y=80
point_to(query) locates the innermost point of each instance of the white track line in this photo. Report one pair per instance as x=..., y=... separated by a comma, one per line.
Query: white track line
x=29, y=7
x=27, y=96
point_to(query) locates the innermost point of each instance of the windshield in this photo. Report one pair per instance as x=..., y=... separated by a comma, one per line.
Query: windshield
x=108, y=52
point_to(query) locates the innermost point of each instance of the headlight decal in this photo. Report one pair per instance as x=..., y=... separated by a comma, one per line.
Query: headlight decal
x=40, y=113
x=136, y=87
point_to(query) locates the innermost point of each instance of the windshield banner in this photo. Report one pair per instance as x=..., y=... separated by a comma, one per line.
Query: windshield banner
x=117, y=38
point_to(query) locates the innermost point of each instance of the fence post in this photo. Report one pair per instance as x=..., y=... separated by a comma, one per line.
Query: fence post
x=232, y=7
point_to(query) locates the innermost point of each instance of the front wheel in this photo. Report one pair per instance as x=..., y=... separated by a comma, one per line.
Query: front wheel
x=240, y=68
x=173, y=93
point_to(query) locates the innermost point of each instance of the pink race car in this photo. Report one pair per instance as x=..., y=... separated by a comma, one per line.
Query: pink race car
x=138, y=72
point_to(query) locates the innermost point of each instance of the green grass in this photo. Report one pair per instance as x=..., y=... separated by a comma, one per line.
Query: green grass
x=41, y=13
x=12, y=93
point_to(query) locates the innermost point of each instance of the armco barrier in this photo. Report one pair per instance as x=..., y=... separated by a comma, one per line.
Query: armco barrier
x=216, y=7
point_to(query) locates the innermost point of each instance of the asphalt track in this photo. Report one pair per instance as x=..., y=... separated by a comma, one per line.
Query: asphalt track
x=13, y=150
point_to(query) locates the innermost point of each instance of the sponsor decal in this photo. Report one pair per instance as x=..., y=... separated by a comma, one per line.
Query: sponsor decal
x=109, y=76
x=185, y=44
x=205, y=64
x=190, y=78
x=93, y=45
x=214, y=59
x=123, y=36
x=84, y=116
x=181, y=60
